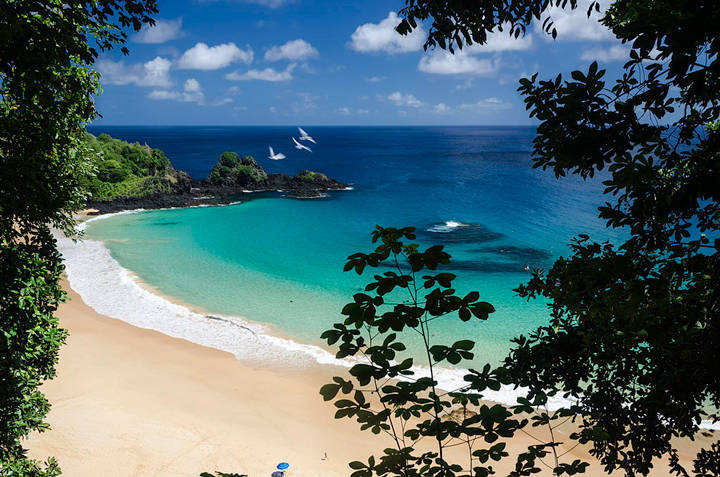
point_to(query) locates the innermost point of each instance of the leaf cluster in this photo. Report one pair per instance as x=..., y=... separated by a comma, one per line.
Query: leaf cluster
x=30, y=272
x=123, y=170
x=47, y=49
x=458, y=23
x=391, y=391
x=634, y=328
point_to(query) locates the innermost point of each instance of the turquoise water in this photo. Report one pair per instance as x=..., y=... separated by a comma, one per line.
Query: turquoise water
x=279, y=260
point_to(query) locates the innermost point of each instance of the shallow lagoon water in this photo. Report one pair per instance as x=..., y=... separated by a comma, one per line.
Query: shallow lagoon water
x=278, y=261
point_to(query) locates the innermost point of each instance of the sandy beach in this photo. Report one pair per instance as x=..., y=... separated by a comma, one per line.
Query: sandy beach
x=134, y=402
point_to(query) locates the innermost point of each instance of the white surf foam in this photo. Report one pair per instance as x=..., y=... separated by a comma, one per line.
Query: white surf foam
x=113, y=291
x=448, y=226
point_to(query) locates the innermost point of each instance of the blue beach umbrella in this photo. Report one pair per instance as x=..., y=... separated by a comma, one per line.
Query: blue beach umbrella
x=283, y=466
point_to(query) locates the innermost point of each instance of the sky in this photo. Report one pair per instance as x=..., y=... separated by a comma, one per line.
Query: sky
x=331, y=63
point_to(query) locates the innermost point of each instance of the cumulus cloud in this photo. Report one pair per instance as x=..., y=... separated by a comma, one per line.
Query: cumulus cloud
x=152, y=73
x=467, y=85
x=296, y=50
x=376, y=79
x=268, y=74
x=372, y=37
x=498, y=41
x=486, y=105
x=163, y=31
x=191, y=93
x=442, y=62
x=344, y=111
x=574, y=25
x=157, y=73
x=404, y=99
x=203, y=57
x=606, y=55
x=441, y=108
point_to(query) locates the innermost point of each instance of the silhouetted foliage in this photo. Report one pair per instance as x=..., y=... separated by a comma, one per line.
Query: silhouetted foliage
x=47, y=49
x=633, y=336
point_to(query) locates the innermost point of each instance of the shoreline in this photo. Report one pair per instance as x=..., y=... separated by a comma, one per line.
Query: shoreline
x=130, y=401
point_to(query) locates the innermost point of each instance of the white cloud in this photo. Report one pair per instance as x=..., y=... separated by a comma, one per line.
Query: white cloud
x=152, y=73
x=606, y=55
x=118, y=73
x=574, y=25
x=162, y=94
x=296, y=50
x=163, y=31
x=467, y=85
x=273, y=109
x=441, y=108
x=202, y=57
x=442, y=62
x=221, y=102
x=344, y=111
x=157, y=73
x=192, y=86
x=404, y=99
x=486, y=105
x=372, y=37
x=268, y=74
x=376, y=79
x=233, y=90
x=501, y=41
x=363, y=111
x=191, y=93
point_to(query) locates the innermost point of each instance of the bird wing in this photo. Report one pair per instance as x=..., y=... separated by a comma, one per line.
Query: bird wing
x=297, y=143
x=311, y=140
x=272, y=153
x=280, y=156
x=303, y=132
x=305, y=147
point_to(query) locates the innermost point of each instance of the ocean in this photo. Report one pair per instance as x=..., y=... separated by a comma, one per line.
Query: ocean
x=264, y=277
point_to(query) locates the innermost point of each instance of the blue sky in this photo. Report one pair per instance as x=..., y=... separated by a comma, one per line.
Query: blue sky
x=302, y=62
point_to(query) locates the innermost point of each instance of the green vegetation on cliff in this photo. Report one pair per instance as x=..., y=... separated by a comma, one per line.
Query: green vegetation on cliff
x=126, y=170
x=231, y=170
x=310, y=176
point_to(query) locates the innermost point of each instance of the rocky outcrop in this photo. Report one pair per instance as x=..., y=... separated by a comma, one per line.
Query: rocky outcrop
x=231, y=176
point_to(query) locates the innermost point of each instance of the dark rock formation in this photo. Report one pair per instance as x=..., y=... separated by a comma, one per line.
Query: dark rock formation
x=230, y=177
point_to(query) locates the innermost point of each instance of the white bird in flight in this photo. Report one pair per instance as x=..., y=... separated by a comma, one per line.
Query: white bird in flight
x=304, y=136
x=300, y=146
x=275, y=157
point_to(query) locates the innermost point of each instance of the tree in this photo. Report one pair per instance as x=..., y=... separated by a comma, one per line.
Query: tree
x=47, y=49
x=634, y=332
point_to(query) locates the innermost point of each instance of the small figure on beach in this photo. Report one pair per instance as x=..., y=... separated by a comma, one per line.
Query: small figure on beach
x=326, y=457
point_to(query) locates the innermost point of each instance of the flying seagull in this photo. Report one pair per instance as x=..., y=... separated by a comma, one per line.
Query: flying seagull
x=304, y=136
x=275, y=157
x=300, y=146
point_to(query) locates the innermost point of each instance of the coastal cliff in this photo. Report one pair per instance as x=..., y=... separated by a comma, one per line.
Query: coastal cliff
x=132, y=176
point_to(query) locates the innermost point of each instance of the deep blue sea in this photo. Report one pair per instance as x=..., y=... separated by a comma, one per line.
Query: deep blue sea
x=275, y=263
